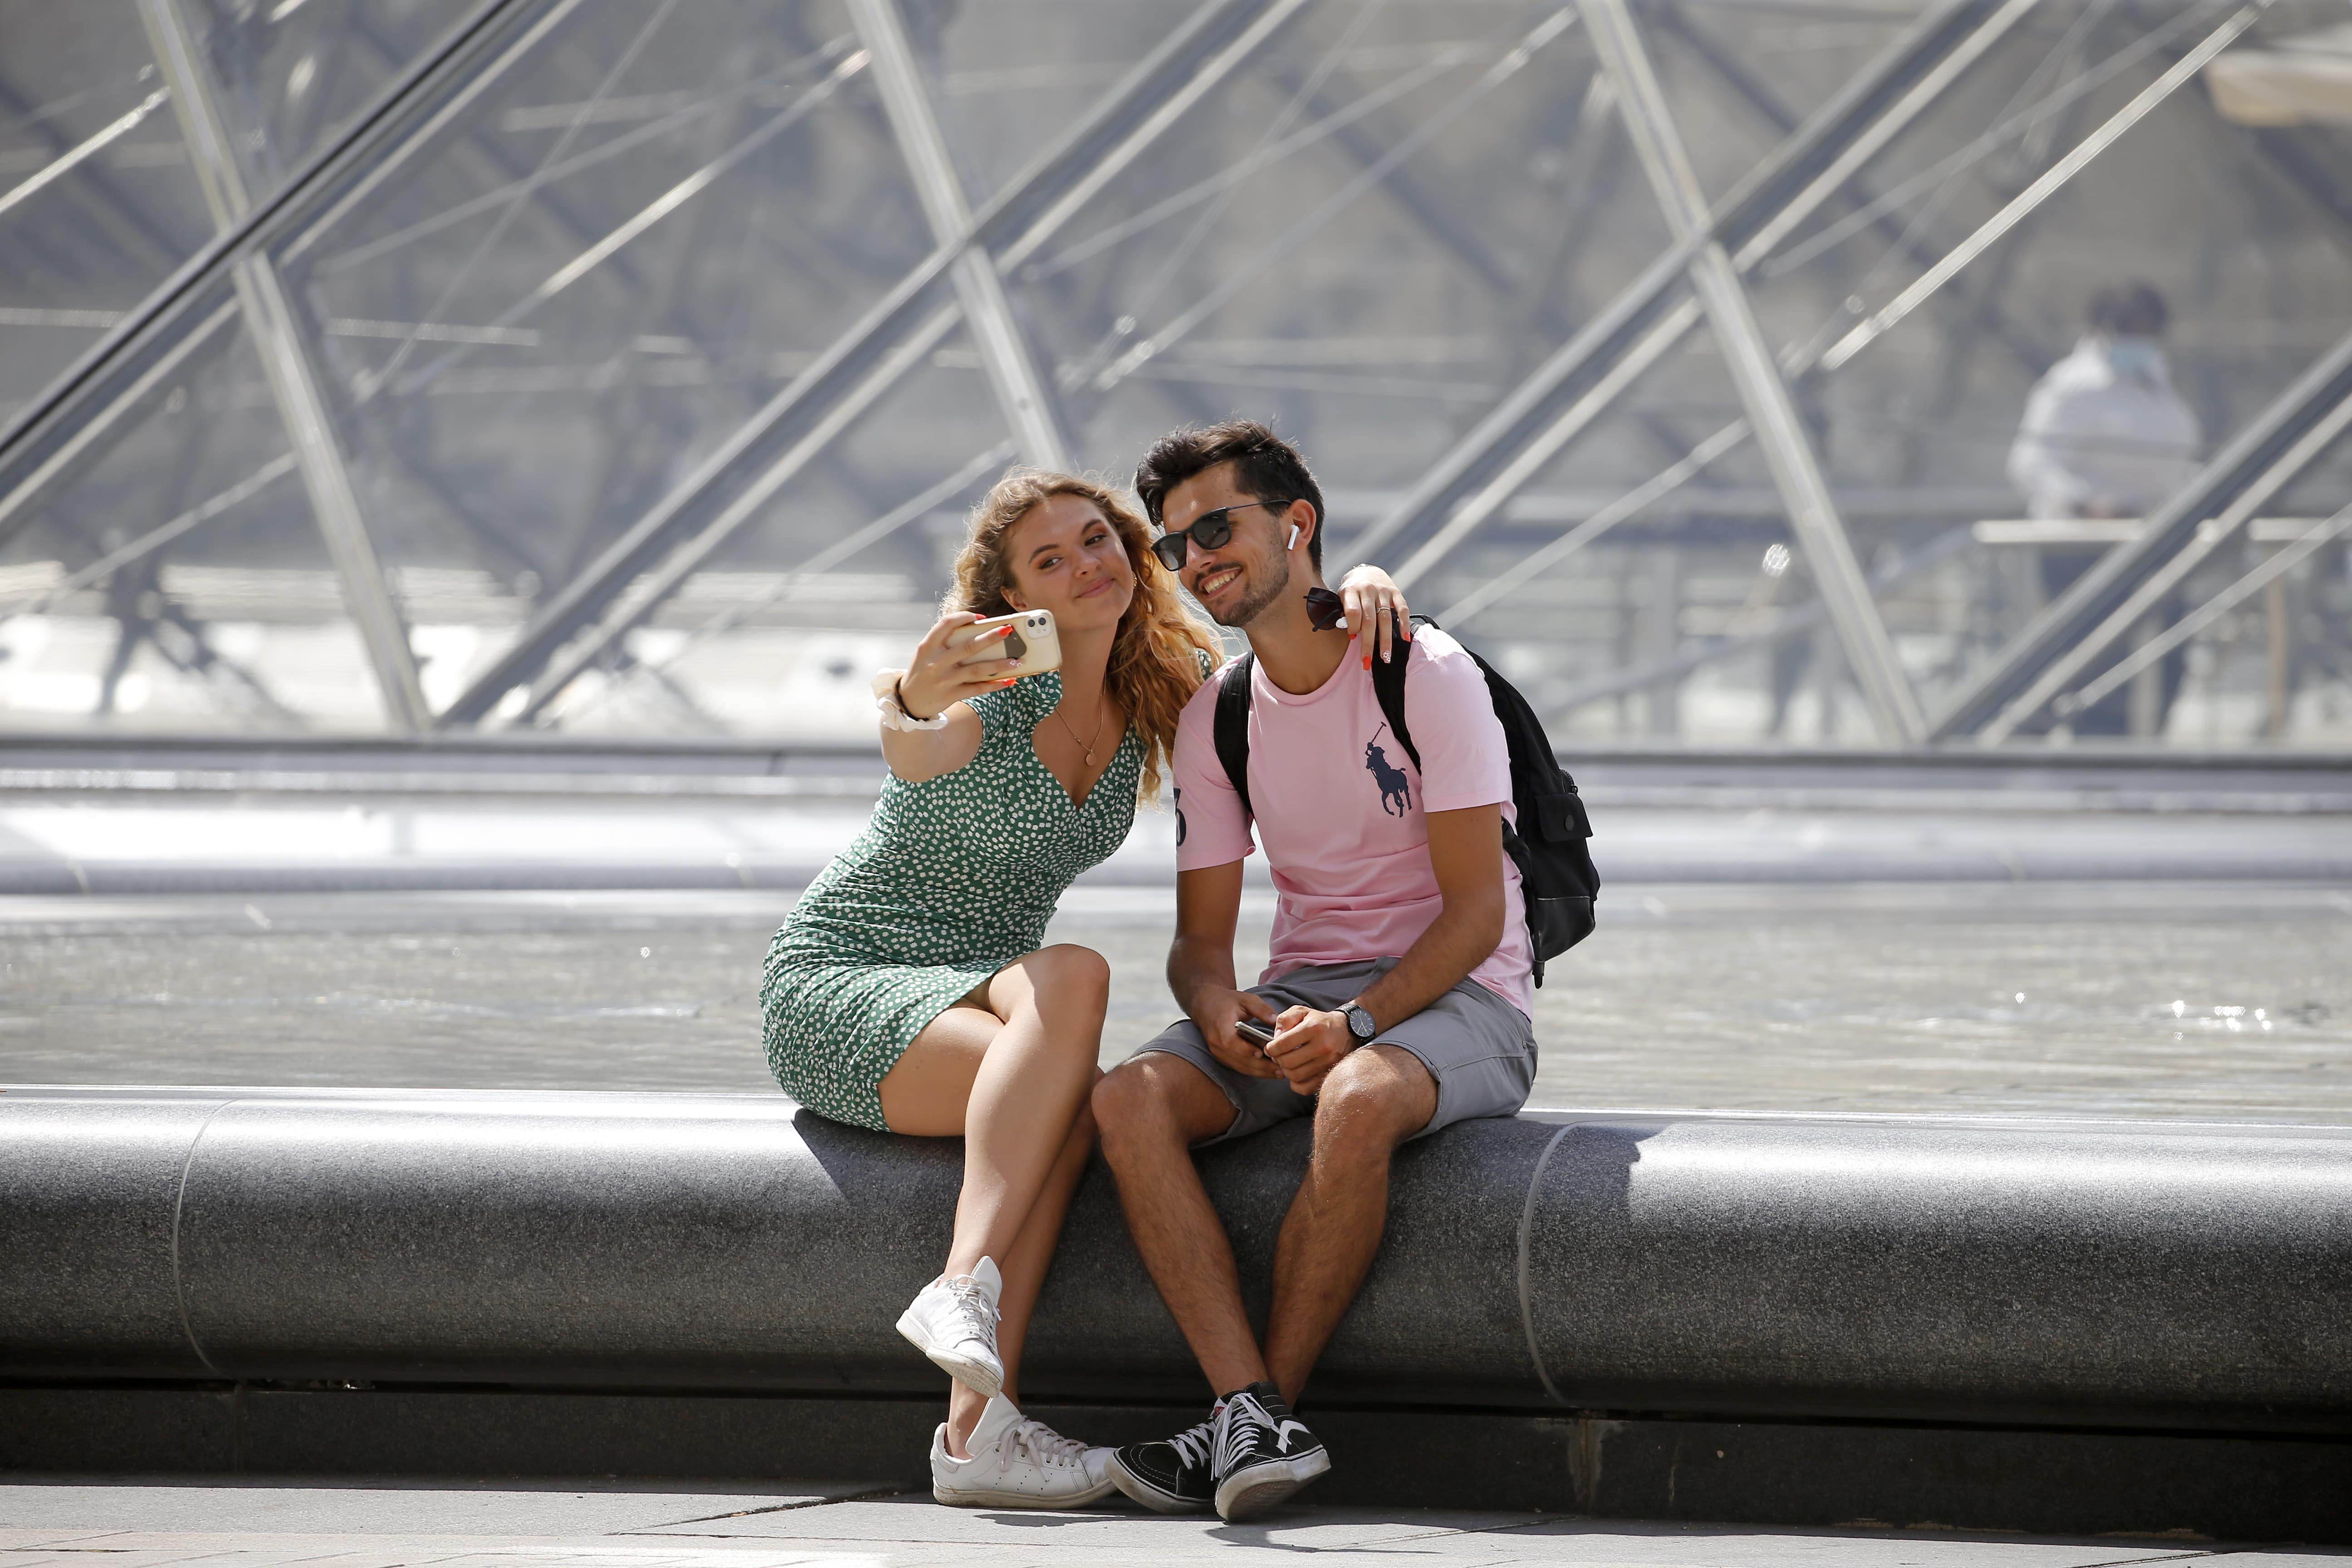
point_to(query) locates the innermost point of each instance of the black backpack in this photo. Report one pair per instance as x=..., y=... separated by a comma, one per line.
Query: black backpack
x=1556, y=873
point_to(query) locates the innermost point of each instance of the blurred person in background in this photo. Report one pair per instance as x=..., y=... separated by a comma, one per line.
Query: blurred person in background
x=911, y=989
x=2105, y=436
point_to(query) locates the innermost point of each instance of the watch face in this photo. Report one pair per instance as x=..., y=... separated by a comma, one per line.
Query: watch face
x=1360, y=1024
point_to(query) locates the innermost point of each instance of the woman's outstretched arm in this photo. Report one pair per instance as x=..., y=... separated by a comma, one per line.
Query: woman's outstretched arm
x=944, y=671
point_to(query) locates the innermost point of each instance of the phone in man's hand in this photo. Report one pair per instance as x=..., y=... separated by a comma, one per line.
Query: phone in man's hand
x=1256, y=1031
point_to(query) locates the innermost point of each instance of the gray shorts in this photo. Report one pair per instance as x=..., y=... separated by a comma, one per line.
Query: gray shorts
x=1479, y=1049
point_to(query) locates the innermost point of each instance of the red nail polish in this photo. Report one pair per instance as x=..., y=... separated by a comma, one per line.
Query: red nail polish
x=1368, y=661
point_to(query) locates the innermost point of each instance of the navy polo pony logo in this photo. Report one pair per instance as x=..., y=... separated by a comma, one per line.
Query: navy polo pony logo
x=1396, y=790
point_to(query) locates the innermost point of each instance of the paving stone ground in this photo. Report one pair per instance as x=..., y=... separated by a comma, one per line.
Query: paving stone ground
x=262, y=1524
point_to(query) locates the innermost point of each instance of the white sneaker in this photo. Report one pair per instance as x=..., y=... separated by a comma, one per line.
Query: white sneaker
x=953, y=1321
x=1018, y=1463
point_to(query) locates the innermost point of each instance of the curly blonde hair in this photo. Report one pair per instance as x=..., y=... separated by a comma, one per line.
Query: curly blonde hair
x=1157, y=659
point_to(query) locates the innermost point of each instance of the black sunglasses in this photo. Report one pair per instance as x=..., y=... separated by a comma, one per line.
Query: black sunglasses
x=1210, y=531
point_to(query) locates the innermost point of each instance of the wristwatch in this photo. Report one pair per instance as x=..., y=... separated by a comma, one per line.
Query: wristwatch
x=1359, y=1022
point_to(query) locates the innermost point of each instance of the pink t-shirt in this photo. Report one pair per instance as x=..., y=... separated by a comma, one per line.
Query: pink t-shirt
x=1339, y=808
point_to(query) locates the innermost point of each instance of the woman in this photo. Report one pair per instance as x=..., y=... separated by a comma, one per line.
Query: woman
x=910, y=991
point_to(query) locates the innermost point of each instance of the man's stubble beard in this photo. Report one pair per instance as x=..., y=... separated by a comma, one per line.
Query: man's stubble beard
x=1255, y=604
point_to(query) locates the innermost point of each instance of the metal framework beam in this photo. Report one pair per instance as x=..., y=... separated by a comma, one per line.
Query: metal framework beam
x=295, y=383
x=2325, y=532
x=1206, y=48
x=143, y=355
x=1981, y=313
x=489, y=159
x=644, y=595
x=915, y=507
x=1427, y=209
x=66, y=161
x=1795, y=473
x=1794, y=621
x=1024, y=395
x=114, y=217
x=1475, y=510
x=1640, y=326
x=2021, y=207
x=2132, y=578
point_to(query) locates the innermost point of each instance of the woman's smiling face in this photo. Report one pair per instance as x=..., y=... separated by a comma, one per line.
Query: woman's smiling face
x=1065, y=556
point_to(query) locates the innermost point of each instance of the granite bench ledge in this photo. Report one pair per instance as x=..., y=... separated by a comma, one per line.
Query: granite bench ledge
x=2043, y=1272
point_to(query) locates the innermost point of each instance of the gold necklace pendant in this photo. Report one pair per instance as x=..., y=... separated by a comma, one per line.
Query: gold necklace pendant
x=1087, y=745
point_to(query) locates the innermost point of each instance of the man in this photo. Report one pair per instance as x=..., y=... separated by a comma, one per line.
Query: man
x=1399, y=989
x=2105, y=436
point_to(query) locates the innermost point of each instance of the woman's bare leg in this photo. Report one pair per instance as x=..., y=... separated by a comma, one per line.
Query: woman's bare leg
x=1024, y=1277
x=1012, y=1076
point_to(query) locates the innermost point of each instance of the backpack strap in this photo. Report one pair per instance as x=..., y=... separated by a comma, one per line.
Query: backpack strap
x=1232, y=727
x=1388, y=685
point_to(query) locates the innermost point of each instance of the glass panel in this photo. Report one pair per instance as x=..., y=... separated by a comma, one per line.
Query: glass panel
x=98, y=203
x=179, y=582
x=837, y=577
x=1314, y=245
x=1371, y=231
x=1927, y=415
x=292, y=75
x=635, y=237
x=97, y=200
x=1000, y=99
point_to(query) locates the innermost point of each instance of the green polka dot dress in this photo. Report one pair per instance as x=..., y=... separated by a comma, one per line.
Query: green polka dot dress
x=953, y=878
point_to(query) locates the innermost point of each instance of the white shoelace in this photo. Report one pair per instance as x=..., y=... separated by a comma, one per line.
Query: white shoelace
x=1244, y=1417
x=971, y=1304
x=1039, y=1443
x=1192, y=1446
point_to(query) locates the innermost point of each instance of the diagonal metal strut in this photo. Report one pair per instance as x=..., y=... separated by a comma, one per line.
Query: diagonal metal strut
x=1639, y=326
x=1799, y=360
x=1004, y=350
x=865, y=360
x=144, y=354
x=1788, y=452
x=293, y=375
x=2132, y=578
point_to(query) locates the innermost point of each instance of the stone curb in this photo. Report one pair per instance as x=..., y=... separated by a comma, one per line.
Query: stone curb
x=2061, y=1274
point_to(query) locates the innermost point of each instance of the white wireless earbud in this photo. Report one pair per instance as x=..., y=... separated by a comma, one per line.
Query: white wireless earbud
x=1294, y=538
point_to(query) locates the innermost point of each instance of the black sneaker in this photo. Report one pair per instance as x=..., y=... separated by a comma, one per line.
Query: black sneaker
x=1175, y=1476
x=1263, y=1452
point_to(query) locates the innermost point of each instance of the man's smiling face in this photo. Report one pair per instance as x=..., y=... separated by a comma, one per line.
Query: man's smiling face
x=1236, y=580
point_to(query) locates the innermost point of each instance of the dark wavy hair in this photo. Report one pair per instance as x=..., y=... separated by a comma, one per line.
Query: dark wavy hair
x=1266, y=467
x=2129, y=309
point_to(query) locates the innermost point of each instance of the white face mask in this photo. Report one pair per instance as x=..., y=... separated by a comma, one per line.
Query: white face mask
x=2140, y=358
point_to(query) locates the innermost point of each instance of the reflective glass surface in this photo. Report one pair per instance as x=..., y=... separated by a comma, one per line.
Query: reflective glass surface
x=624, y=347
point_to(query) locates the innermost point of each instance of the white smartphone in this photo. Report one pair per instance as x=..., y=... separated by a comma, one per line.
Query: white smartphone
x=1035, y=645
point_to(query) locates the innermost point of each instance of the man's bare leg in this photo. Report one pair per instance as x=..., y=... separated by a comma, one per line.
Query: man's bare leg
x=1372, y=1101
x=1151, y=1110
